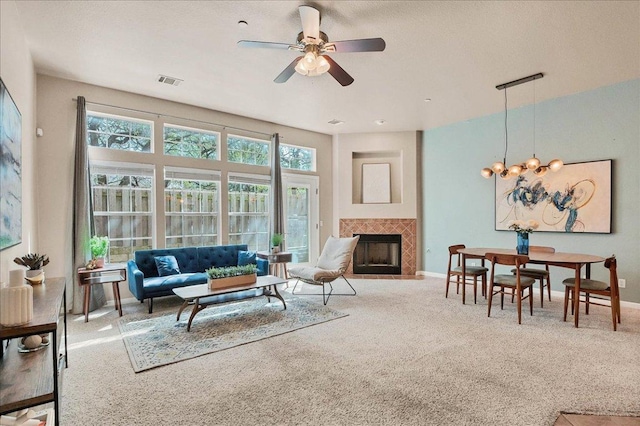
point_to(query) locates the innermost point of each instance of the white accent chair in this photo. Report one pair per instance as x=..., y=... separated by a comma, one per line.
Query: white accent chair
x=332, y=264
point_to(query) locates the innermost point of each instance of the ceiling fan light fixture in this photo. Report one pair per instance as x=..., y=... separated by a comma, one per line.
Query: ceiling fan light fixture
x=322, y=65
x=301, y=68
x=310, y=61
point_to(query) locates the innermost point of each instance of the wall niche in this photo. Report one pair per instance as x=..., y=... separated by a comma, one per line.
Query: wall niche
x=382, y=173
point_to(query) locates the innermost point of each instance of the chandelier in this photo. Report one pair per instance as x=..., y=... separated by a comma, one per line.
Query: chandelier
x=500, y=167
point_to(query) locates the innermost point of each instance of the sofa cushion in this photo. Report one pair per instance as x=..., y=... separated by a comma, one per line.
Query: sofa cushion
x=167, y=265
x=155, y=285
x=187, y=258
x=246, y=258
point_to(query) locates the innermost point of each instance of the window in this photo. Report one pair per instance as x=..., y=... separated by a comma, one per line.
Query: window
x=249, y=206
x=247, y=150
x=113, y=132
x=192, y=207
x=297, y=157
x=193, y=143
x=122, y=208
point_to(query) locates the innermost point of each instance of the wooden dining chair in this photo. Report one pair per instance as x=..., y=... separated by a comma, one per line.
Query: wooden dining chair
x=515, y=284
x=454, y=269
x=601, y=289
x=538, y=274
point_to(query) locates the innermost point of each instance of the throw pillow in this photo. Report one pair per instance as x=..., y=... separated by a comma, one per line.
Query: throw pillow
x=246, y=258
x=167, y=265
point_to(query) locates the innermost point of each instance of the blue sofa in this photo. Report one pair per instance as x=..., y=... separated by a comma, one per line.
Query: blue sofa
x=145, y=282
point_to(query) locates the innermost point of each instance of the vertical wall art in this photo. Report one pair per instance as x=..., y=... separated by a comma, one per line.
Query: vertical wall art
x=10, y=170
x=376, y=183
x=576, y=198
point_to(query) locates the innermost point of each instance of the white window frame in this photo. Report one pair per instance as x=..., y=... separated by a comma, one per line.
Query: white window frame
x=195, y=130
x=123, y=118
x=306, y=148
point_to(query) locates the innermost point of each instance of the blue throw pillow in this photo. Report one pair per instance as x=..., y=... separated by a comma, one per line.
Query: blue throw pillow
x=246, y=258
x=167, y=265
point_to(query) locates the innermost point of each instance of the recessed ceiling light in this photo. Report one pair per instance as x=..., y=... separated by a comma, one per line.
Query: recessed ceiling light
x=243, y=24
x=336, y=122
x=427, y=100
x=380, y=122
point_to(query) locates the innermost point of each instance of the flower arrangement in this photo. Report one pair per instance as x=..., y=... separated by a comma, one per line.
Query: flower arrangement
x=522, y=227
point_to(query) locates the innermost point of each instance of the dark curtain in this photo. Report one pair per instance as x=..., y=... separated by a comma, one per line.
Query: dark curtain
x=276, y=185
x=82, y=214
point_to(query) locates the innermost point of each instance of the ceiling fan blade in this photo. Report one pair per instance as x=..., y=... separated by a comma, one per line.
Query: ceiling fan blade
x=264, y=44
x=310, y=17
x=288, y=71
x=338, y=73
x=361, y=45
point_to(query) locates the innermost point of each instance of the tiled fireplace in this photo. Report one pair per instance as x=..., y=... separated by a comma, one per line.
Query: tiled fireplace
x=405, y=227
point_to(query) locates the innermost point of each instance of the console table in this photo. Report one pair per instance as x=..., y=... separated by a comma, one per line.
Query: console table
x=112, y=273
x=30, y=379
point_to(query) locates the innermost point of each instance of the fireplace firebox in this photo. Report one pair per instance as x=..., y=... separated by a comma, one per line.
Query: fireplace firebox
x=378, y=254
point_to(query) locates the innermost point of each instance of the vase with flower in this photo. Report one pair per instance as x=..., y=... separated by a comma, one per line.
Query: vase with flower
x=523, y=229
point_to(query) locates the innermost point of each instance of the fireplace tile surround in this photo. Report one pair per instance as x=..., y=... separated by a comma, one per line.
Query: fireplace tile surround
x=405, y=227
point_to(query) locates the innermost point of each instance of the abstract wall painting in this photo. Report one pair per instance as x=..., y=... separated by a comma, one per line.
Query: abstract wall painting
x=576, y=198
x=10, y=170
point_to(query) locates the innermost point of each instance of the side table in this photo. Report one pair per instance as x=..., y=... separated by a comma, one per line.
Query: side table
x=112, y=273
x=277, y=262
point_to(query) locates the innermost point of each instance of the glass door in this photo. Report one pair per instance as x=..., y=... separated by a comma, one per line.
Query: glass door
x=301, y=213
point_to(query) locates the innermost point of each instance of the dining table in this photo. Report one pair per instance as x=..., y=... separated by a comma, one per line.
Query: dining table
x=573, y=261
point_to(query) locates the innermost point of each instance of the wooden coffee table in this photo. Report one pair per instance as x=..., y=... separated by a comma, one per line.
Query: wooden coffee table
x=200, y=296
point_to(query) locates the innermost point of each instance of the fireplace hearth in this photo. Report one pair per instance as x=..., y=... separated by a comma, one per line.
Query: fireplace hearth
x=378, y=254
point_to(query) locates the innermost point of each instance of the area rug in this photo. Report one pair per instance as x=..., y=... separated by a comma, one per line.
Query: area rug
x=158, y=339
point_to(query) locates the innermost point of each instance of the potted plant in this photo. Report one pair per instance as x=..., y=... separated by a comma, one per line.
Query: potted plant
x=276, y=240
x=99, y=248
x=231, y=276
x=34, y=262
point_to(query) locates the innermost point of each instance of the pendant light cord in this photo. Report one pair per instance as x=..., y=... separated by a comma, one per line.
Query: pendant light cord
x=534, y=118
x=506, y=132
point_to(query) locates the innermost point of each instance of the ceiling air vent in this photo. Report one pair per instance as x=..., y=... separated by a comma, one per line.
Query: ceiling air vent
x=336, y=122
x=169, y=80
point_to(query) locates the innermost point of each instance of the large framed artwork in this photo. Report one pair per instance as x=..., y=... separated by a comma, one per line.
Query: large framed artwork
x=576, y=198
x=376, y=183
x=10, y=170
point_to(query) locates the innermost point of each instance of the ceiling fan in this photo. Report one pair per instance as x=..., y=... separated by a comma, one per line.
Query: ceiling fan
x=314, y=44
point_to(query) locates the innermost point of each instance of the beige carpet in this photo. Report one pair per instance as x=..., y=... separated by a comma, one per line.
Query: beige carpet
x=405, y=355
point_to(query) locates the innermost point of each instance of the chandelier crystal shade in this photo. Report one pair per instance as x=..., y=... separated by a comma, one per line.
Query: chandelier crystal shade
x=500, y=168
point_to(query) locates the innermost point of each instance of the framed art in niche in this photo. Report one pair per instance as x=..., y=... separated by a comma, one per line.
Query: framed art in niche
x=376, y=183
x=576, y=198
x=10, y=170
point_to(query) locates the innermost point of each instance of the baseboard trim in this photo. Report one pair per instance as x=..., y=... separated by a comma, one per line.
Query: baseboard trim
x=559, y=294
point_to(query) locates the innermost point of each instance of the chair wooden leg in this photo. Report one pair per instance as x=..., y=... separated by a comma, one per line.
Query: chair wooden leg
x=475, y=289
x=490, y=298
x=531, y=300
x=519, y=300
x=542, y=292
x=614, y=315
x=446, y=292
x=566, y=302
x=501, y=298
x=586, y=309
x=464, y=289
x=549, y=287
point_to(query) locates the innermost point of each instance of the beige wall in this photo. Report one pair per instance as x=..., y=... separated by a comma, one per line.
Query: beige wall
x=17, y=72
x=400, y=149
x=57, y=115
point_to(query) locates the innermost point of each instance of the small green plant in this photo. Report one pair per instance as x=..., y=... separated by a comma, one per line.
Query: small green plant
x=99, y=246
x=32, y=261
x=230, y=271
x=276, y=240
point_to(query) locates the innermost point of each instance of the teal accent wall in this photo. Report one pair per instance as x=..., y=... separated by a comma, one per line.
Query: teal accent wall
x=458, y=204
